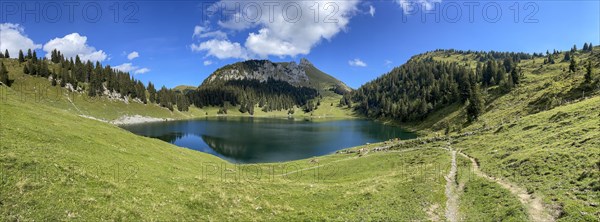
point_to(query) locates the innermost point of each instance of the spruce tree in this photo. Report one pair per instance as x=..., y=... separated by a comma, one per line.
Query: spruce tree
x=4, y=75
x=6, y=55
x=475, y=107
x=567, y=56
x=21, y=56
x=573, y=65
x=34, y=56
x=589, y=71
x=29, y=55
x=515, y=76
x=26, y=69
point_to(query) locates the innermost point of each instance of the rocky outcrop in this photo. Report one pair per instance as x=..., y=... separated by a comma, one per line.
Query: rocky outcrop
x=262, y=70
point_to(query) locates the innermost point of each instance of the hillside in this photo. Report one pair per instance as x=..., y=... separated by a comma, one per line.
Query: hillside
x=269, y=87
x=531, y=154
x=304, y=74
x=540, y=135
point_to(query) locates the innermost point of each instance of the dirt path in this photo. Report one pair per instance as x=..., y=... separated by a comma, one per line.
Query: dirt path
x=451, y=194
x=535, y=207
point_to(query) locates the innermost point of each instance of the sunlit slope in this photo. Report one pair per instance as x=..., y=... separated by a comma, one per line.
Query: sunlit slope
x=554, y=154
x=56, y=165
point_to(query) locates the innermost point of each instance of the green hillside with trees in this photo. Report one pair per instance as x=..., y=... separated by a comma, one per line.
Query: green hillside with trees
x=504, y=136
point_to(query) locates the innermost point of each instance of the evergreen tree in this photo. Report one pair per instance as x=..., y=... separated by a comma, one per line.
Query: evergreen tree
x=64, y=74
x=550, y=59
x=29, y=55
x=21, y=56
x=1, y=55
x=6, y=55
x=151, y=92
x=26, y=68
x=515, y=76
x=585, y=47
x=475, y=106
x=573, y=65
x=589, y=71
x=4, y=75
x=34, y=56
x=567, y=56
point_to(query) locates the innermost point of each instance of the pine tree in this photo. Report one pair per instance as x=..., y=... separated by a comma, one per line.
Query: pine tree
x=589, y=71
x=29, y=55
x=151, y=92
x=4, y=75
x=34, y=58
x=26, y=68
x=21, y=56
x=567, y=56
x=515, y=76
x=585, y=47
x=6, y=55
x=573, y=65
x=475, y=107
x=550, y=59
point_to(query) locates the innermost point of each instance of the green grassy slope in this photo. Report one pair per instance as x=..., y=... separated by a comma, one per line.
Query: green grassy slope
x=57, y=166
x=33, y=89
x=554, y=154
x=543, y=136
x=324, y=82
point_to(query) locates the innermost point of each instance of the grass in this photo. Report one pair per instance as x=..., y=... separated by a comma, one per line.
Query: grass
x=554, y=154
x=543, y=136
x=74, y=168
x=481, y=200
x=39, y=90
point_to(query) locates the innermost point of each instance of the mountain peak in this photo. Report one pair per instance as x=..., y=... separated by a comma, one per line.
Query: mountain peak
x=305, y=63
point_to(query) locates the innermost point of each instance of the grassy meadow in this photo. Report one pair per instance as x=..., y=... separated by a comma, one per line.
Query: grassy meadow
x=543, y=137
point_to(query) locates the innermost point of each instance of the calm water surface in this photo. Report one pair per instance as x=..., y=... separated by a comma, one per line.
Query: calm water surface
x=259, y=140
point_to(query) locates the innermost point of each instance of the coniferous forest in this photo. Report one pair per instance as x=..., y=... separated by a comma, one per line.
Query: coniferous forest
x=95, y=79
x=423, y=85
x=269, y=95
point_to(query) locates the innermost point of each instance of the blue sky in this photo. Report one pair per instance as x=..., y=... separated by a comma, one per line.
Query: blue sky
x=182, y=42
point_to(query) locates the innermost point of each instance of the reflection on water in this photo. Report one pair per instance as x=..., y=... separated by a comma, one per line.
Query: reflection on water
x=253, y=140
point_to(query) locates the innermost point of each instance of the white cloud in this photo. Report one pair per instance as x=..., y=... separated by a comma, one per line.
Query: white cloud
x=387, y=62
x=72, y=45
x=125, y=67
x=357, y=62
x=128, y=67
x=408, y=5
x=13, y=39
x=207, y=62
x=202, y=32
x=222, y=49
x=141, y=71
x=372, y=10
x=133, y=55
x=280, y=34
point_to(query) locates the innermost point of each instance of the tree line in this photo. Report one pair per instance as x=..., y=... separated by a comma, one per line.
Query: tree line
x=95, y=79
x=269, y=95
x=423, y=85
